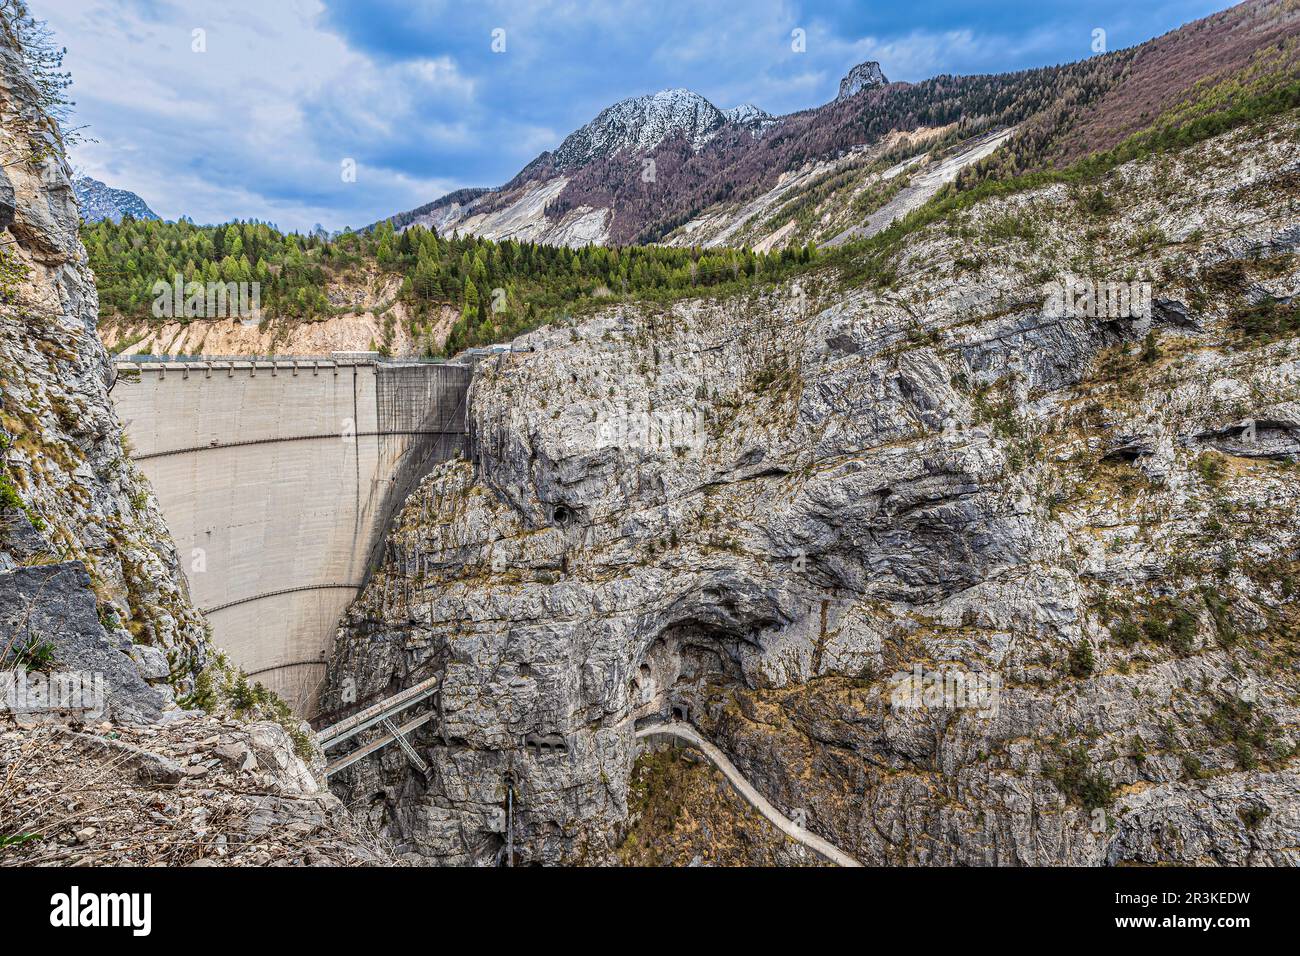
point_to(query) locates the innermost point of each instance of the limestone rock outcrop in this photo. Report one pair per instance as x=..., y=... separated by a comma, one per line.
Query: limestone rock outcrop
x=864, y=76
x=87, y=568
x=953, y=574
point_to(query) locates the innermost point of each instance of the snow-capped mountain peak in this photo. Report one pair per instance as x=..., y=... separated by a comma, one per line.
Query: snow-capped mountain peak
x=747, y=114
x=98, y=201
x=642, y=122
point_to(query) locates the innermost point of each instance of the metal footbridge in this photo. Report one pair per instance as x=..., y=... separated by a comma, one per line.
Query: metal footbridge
x=382, y=714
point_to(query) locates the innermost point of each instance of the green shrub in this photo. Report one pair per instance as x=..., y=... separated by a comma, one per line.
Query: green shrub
x=1165, y=624
x=9, y=499
x=1150, y=349
x=1209, y=465
x=1218, y=607
x=1235, y=723
x=1075, y=778
x=1267, y=320
x=1094, y=202
x=1192, y=767
x=1081, y=662
x=35, y=655
x=1126, y=632
x=1159, y=622
x=1253, y=815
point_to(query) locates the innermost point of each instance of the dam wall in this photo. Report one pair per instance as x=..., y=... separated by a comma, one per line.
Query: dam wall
x=277, y=480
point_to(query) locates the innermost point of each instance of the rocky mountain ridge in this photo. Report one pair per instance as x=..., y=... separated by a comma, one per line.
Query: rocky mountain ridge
x=633, y=127
x=647, y=186
x=98, y=201
x=641, y=123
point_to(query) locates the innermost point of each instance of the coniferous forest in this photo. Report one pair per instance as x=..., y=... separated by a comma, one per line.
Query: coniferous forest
x=500, y=289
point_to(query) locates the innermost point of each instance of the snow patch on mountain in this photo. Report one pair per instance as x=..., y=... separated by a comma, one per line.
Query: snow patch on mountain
x=750, y=116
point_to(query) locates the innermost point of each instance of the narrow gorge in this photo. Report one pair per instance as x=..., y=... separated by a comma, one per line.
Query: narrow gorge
x=909, y=480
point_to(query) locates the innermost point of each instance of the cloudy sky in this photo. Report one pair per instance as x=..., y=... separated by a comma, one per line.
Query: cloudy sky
x=251, y=108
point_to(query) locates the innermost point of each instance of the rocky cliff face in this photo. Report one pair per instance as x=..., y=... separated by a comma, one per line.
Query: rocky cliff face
x=88, y=573
x=864, y=76
x=962, y=567
x=90, y=583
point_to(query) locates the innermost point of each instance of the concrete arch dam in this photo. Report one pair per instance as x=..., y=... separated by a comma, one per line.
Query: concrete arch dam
x=278, y=480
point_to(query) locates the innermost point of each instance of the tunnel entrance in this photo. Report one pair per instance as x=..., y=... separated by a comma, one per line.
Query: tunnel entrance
x=682, y=668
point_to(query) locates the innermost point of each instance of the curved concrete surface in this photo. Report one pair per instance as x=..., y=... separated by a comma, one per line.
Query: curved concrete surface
x=690, y=735
x=277, y=480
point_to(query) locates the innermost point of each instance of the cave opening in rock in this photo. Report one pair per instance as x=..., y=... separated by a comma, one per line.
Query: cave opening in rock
x=682, y=669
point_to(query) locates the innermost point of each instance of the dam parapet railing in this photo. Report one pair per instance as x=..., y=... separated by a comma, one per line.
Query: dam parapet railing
x=469, y=357
x=331, y=358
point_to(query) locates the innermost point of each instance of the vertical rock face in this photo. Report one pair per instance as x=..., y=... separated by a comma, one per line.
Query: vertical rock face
x=78, y=525
x=954, y=574
x=864, y=76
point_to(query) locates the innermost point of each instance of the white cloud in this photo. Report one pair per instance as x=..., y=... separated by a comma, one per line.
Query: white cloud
x=226, y=133
x=920, y=54
x=258, y=125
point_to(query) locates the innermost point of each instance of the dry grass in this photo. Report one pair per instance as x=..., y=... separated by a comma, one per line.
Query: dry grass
x=683, y=811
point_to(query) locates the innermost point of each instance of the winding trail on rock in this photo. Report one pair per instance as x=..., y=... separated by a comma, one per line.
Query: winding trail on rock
x=687, y=733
